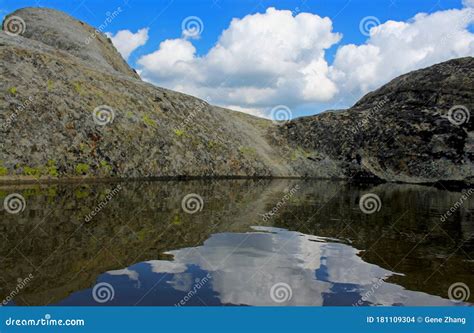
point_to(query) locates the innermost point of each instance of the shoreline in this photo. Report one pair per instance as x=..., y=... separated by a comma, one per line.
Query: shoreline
x=46, y=181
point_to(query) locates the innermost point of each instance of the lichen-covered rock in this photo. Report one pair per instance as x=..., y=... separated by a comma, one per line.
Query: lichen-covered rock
x=417, y=128
x=71, y=107
x=50, y=91
x=63, y=32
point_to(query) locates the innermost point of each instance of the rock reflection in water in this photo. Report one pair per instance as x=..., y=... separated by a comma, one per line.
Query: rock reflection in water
x=319, y=243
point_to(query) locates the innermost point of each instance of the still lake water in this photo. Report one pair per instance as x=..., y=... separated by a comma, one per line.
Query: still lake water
x=317, y=247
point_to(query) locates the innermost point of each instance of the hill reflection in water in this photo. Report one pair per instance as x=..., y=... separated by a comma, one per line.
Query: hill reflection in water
x=318, y=243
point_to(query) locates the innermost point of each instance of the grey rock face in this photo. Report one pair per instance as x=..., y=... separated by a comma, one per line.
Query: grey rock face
x=63, y=32
x=71, y=107
x=417, y=128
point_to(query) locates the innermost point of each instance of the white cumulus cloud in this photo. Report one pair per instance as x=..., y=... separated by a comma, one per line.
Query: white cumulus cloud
x=395, y=48
x=259, y=61
x=468, y=3
x=277, y=58
x=126, y=41
x=171, y=61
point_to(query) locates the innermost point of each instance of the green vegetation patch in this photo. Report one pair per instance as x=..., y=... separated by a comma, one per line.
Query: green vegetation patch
x=50, y=84
x=148, y=121
x=176, y=220
x=179, y=132
x=105, y=166
x=51, y=168
x=3, y=170
x=77, y=87
x=35, y=172
x=249, y=151
x=82, y=169
x=12, y=90
x=82, y=192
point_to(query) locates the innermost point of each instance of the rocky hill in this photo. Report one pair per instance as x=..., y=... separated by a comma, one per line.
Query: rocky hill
x=71, y=107
x=417, y=128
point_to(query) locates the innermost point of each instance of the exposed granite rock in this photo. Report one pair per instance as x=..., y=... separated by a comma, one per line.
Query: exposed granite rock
x=49, y=95
x=63, y=32
x=59, y=70
x=403, y=131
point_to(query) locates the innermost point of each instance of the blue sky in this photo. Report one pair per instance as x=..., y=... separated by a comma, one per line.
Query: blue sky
x=164, y=18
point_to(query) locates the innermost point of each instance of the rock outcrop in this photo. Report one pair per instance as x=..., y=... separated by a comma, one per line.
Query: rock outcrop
x=71, y=107
x=417, y=128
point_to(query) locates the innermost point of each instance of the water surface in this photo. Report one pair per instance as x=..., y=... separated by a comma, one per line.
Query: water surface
x=316, y=247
